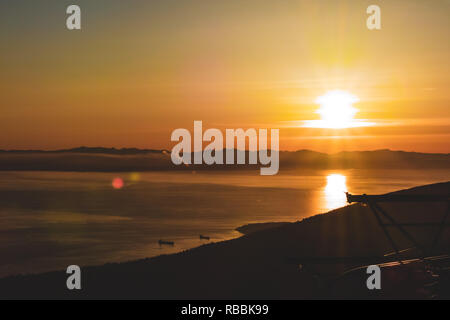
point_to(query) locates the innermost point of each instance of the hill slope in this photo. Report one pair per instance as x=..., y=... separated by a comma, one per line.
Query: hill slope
x=260, y=265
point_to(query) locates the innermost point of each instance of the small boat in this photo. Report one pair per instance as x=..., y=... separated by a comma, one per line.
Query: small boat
x=204, y=237
x=167, y=243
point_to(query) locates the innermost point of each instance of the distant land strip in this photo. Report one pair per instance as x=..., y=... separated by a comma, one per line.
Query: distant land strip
x=99, y=159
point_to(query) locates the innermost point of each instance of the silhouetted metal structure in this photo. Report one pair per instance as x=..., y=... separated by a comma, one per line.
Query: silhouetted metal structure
x=433, y=266
x=373, y=203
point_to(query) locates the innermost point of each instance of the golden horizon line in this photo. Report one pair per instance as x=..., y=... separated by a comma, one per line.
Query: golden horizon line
x=123, y=149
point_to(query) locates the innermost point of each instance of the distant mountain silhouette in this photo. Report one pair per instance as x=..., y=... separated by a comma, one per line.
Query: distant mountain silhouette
x=101, y=150
x=131, y=159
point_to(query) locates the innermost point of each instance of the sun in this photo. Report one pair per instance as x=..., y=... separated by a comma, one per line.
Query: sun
x=336, y=109
x=337, y=112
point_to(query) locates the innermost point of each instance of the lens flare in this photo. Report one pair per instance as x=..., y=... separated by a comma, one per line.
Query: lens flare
x=117, y=183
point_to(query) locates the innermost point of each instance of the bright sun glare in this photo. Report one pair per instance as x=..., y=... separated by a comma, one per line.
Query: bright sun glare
x=337, y=112
x=336, y=109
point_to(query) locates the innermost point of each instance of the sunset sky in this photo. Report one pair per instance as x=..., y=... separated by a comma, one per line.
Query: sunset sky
x=140, y=69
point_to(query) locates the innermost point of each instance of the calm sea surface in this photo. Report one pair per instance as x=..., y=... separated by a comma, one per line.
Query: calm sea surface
x=49, y=220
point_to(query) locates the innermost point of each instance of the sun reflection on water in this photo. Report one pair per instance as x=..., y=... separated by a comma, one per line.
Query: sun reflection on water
x=335, y=191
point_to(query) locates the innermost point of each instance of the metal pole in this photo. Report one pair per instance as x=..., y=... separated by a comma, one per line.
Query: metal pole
x=402, y=230
x=386, y=232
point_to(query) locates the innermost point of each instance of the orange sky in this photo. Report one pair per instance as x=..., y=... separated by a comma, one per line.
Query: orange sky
x=139, y=70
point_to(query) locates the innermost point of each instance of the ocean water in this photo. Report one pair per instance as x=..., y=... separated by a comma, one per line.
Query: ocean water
x=50, y=220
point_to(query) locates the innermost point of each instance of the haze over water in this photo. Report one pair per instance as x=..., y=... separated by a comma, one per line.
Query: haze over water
x=49, y=220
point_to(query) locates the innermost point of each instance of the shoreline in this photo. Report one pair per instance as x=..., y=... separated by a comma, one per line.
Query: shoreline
x=243, y=230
